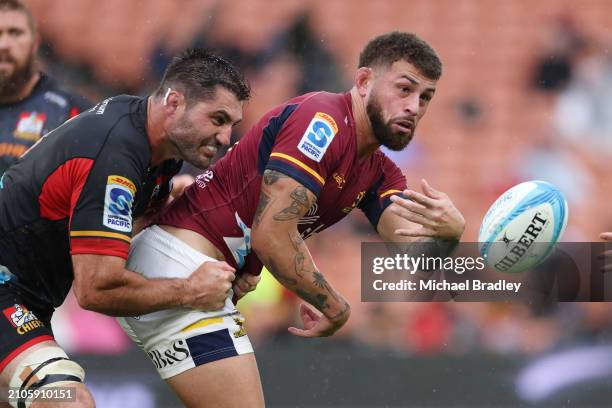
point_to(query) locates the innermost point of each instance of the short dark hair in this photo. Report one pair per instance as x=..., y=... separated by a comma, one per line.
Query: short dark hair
x=385, y=49
x=197, y=73
x=17, y=5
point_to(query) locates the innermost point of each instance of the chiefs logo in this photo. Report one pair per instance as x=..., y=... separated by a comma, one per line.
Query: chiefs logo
x=22, y=319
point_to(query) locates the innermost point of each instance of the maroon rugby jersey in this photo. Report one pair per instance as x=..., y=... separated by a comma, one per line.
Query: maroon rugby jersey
x=310, y=138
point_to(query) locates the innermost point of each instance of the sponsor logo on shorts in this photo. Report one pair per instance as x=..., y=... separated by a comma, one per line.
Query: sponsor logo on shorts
x=240, y=323
x=318, y=136
x=22, y=319
x=164, y=357
x=118, y=201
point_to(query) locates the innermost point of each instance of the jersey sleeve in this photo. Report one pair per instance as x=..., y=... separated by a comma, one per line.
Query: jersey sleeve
x=378, y=197
x=309, y=143
x=101, y=212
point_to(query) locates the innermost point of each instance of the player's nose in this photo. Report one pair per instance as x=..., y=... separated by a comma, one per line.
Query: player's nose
x=224, y=136
x=411, y=103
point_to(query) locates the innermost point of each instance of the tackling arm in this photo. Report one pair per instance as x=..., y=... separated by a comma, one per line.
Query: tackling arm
x=102, y=284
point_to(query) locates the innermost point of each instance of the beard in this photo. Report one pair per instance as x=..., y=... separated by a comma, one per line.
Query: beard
x=383, y=132
x=13, y=84
x=188, y=145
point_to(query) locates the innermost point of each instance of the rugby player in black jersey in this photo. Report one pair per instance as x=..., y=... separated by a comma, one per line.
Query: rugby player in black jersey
x=31, y=102
x=67, y=212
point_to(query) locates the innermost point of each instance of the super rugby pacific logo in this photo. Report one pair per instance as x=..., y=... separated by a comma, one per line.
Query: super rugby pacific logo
x=318, y=136
x=118, y=201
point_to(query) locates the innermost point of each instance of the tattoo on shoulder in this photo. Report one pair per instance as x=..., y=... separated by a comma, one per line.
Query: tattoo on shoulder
x=299, y=205
x=272, y=176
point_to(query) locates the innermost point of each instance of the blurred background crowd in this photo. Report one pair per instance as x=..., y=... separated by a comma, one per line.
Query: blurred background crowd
x=526, y=93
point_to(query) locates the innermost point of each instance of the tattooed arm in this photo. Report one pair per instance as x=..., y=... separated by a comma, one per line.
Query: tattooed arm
x=277, y=242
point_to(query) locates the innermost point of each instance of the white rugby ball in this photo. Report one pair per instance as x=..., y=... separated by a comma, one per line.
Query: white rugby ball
x=522, y=226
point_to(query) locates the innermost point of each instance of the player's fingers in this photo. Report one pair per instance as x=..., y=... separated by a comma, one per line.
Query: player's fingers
x=605, y=254
x=606, y=236
x=252, y=280
x=419, y=198
x=301, y=333
x=607, y=268
x=409, y=205
x=410, y=216
x=419, y=232
x=238, y=292
x=242, y=284
x=224, y=265
x=308, y=313
x=430, y=191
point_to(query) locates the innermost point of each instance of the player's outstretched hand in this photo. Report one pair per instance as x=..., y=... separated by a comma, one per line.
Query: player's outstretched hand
x=316, y=324
x=209, y=286
x=432, y=210
x=245, y=283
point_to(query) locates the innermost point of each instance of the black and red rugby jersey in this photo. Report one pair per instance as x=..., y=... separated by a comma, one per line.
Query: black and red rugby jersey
x=77, y=191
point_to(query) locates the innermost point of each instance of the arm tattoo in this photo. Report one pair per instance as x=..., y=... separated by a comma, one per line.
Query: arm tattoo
x=341, y=313
x=321, y=283
x=319, y=300
x=299, y=205
x=298, y=260
x=284, y=280
x=264, y=200
x=271, y=176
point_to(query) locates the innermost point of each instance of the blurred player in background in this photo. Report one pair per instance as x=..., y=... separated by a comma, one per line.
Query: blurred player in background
x=31, y=103
x=303, y=167
x=68, y=209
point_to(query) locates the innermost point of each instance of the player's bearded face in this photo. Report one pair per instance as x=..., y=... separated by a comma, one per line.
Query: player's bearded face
x=383, y=129
x=192, y=143
x=17, y=56
x=204, y=127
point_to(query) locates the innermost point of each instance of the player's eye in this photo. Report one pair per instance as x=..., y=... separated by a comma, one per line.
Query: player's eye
x=405, y=89
x=15, y=32
x=426, y=97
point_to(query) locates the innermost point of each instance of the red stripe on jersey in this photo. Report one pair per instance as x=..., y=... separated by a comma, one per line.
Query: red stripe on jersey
x=99, y=246
x=23, y=348
x=62, y=189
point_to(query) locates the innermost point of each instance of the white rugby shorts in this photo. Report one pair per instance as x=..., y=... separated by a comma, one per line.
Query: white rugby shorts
x=177, y=340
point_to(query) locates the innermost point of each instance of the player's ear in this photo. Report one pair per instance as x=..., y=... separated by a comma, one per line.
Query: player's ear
x=173, y=100
x=363, y=80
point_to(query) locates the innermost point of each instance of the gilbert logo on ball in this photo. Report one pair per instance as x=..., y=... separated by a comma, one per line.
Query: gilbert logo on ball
x=522, y=226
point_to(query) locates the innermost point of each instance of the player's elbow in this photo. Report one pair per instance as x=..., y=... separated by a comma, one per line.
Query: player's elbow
x=86, y=298
x=87, y=295
x=265, y=242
